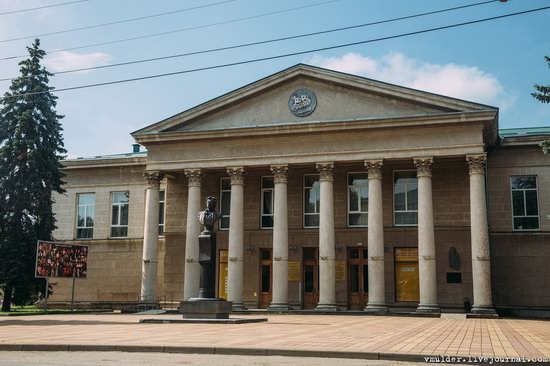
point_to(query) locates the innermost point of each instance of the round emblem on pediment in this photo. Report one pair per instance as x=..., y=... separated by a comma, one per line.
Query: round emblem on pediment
x=302, y=102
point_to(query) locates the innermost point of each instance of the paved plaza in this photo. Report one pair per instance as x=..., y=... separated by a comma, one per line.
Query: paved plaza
x=342, y=336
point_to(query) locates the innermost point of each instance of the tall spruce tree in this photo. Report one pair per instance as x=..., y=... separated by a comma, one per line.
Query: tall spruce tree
x=542, y=94
x=31, y=150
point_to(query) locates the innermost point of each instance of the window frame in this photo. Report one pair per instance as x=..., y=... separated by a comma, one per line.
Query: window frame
x=393, y=199
x=536, y=189
x=111, y=226
x=263, y=190
x=221, y=202
x=162, y=225
x=304, y=214
x=86, y=212
x=349, y=201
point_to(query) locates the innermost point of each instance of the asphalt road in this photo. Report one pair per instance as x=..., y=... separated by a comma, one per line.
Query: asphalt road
x=13, y=358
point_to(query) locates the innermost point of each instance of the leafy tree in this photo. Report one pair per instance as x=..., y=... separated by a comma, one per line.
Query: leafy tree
x=31, y=150
x=542, y=94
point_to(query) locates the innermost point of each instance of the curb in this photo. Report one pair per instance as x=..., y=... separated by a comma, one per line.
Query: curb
x=217, y=351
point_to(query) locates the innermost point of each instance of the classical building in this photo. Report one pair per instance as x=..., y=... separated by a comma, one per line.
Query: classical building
x=338, y=192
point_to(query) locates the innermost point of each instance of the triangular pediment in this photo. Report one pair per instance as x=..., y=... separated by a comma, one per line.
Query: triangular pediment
x=339, y=98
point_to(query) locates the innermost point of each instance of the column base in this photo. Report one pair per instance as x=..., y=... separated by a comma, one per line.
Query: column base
x=327, y=307
x=428, y=309
x=238, y=306
x=483, y=310
x=279, y=307
x=376, y=309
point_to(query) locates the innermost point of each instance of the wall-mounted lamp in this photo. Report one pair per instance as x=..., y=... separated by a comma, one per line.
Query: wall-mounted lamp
x=250, y=249
x=292, y=248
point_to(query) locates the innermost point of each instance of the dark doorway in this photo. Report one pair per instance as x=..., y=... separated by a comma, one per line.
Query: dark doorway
x=265, y=278
x=358, y=278
x=310, y=280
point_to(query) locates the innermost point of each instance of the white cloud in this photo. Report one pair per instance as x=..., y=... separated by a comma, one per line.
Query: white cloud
x=65, y=60
x=459, y=81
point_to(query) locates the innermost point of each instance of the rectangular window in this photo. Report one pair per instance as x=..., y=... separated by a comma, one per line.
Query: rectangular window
x=405, y=198
x=358, y=199
x=268, y=191
x=161, y=212
x=225, y=202
x=525, y=207
x=312, y=200
x=85, y=215
x=119, y=214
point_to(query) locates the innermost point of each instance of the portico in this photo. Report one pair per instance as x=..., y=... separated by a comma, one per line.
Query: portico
x=360, y=133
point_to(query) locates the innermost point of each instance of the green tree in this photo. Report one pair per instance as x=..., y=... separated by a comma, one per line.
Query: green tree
x=542, y=94
x=31, y=150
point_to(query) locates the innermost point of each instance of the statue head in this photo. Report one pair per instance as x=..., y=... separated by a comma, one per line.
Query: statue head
x=210, y=203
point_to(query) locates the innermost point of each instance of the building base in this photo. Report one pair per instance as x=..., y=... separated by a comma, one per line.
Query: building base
x=238, y=306
x=376, y=309
x=486, y=312
x=428, y=309
x=327, y=307
x=279, y=307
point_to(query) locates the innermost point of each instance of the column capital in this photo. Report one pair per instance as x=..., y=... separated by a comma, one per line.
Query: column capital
x=326, y=170
x=423, y=166
x=194, y=177
x=476, y=163
x=280, y=173
x=374, y=168
x=236, y=174
x=153, y=178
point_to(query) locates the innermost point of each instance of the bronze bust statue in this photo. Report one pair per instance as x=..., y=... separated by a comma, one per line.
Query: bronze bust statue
x=209, y=216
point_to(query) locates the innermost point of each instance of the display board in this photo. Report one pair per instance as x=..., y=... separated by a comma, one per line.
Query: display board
x=61, y=260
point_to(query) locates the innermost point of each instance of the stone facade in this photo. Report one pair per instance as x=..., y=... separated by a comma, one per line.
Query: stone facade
x=356, y=121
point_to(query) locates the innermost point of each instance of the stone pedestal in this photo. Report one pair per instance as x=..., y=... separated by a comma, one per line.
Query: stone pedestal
x=207, y=260
x=205, y=309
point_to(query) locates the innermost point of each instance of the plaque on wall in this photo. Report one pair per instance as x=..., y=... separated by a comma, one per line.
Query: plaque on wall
x=340, y=270
x=294, y=271
x=302, y=102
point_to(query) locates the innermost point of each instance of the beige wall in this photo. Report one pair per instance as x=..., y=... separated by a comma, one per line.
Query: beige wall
x=520, y=272
x=114, y=265
x=519, y=260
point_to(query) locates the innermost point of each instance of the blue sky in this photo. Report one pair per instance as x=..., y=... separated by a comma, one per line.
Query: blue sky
x=495, y=63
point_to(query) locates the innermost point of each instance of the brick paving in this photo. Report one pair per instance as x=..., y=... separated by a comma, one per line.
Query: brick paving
x=322, y=333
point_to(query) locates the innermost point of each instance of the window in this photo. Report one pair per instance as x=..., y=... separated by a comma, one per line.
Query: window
x=161, y=212
x=225, y=202
x=358, y=199
x=312, y=200
x=525, y=208
x=119, y=214
x=268, y=186
x=85, y=215
x=405, y=198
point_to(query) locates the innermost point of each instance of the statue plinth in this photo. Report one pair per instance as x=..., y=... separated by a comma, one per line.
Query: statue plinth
x=207, y=305
x=207, y=260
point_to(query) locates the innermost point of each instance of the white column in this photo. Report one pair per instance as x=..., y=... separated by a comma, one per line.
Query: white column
x=150, y=237
x=327, y=255
x=192, y=268
x=426, y=239
x=280, y=239
x=377, y=288
x=236, y=238
x=481, y=258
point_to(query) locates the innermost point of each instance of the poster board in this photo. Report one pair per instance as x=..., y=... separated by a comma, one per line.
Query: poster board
x=60, y=260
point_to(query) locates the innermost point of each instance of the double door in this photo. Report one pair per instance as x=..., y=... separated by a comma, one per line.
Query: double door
x=266, y=281
x=358, y=278
x=310, y=280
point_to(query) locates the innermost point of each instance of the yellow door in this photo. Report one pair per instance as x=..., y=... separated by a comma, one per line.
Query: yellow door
x=222, y=275
x=406, y=275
